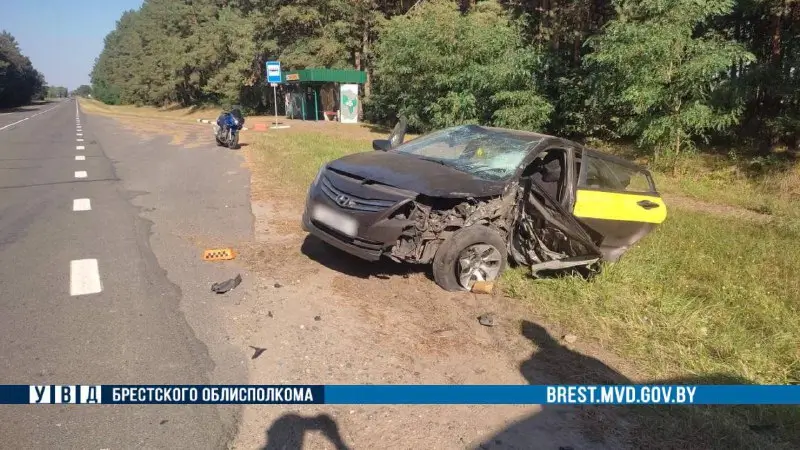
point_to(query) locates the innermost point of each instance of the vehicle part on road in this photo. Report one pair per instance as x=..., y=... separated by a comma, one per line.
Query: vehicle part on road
x=219, y=254
x=225, y=286
x=258, y=351
x=545, y=202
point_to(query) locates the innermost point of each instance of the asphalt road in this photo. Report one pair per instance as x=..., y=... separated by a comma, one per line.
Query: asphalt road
x=99, y=284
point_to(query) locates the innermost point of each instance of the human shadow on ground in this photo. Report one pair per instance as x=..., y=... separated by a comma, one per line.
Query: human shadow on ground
x=288, y=432
x=684, y=427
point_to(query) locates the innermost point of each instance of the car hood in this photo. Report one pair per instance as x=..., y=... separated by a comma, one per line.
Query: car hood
x=414, y=174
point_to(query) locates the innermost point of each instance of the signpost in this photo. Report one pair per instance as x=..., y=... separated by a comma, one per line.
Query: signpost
x=273, y=78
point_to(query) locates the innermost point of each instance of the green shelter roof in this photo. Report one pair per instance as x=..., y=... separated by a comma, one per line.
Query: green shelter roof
x=324, y=76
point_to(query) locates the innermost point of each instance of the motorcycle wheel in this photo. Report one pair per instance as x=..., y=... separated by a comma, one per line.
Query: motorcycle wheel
x=233, y=141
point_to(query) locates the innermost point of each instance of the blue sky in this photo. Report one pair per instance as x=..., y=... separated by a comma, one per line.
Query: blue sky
x=61, y=37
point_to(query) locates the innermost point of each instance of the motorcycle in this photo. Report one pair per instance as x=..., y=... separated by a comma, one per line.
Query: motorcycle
x=226, y=130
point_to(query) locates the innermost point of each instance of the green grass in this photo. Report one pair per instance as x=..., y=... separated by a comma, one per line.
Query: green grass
x=701, y=295
x=287, y=161
x=703, y=298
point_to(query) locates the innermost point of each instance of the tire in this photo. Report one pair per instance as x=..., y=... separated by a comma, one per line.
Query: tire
x=233, y=142
x=446, y=265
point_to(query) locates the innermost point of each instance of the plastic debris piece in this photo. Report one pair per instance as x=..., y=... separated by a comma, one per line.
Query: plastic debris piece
x=258, y=351
x=487, y=320
x=225, y=286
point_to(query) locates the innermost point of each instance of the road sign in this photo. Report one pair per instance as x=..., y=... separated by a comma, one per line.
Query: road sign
x=273, y=71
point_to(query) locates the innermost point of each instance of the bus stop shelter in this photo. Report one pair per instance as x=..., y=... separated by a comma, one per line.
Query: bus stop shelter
x=323, y=94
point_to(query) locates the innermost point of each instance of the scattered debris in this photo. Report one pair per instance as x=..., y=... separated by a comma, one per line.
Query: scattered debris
x=483, y=287
x=163, y=422
x=219, y=254
x=569, y=338
x=269, y=314
x=258, y=351
x=225, y=286
x=565, y=448
x=317, y=318
x=487, y=320
x=277, y=285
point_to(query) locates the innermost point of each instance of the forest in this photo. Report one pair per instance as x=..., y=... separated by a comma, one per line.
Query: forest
x=19, y=81
x=671, y=76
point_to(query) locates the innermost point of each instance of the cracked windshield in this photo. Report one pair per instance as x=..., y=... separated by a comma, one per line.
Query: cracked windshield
x=472, y=149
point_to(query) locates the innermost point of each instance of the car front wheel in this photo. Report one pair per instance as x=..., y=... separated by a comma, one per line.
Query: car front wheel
x=471, y=254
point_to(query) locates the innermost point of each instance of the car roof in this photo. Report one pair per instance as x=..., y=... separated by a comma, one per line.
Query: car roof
x=547, y=137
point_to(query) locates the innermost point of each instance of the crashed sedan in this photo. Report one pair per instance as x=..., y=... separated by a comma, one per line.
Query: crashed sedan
x=470, y=198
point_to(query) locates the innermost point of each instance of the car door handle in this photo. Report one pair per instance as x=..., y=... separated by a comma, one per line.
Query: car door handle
x=647, y=204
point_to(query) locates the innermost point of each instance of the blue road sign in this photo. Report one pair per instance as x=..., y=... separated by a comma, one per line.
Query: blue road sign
x=273, y=71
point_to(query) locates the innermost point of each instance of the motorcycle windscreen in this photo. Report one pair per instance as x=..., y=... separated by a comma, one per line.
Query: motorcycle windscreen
x=547, y=238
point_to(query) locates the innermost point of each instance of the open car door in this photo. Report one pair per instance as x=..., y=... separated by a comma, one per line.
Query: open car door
x=618, y=200
x=547, y=238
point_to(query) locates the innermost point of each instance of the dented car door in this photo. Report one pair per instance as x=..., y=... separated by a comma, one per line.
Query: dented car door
x=618, y=200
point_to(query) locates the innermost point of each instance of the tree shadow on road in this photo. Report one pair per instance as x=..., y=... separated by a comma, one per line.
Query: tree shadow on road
x=667, y=427
x=288, y=432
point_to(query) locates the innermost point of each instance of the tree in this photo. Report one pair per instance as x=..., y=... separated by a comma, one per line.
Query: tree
x=662, y=65
x=83, y=91
x=19, y=81
x=440, y=68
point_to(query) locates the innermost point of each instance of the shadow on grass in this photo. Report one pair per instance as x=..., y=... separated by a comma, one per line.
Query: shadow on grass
x=654, y=427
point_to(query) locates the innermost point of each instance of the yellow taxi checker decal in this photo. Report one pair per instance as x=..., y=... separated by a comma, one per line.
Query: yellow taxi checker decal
x=619, y=206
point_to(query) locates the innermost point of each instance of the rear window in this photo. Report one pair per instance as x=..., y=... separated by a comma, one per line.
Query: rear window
x=602, y=174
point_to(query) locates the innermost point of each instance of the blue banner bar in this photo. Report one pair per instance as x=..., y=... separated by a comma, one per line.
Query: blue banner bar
x=403, y=394
x=563, y=395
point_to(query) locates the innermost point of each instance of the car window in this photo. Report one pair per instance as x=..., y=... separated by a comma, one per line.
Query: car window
x=476, y=150
x=603, y=174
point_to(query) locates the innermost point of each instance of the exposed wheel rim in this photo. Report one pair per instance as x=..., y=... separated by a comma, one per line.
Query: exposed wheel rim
x=478, y=262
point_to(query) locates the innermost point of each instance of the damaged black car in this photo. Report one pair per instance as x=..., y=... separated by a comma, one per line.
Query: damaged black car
x=469, y=199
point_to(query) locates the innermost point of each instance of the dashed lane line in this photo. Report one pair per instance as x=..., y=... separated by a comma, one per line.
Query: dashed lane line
x=82, y=204
x=84, y=277
x=80, y=174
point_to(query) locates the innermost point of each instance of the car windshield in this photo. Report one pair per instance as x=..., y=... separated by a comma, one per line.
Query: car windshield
x=485, y=153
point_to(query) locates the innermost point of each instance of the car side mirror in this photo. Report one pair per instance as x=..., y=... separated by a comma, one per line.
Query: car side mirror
x=382, y=145
x=398, y=133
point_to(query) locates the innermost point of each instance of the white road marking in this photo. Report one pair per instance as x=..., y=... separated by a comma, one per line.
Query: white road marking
x=12, y=124
x=80, y=174
x=82, y=204
x=29, y=117
x=78, y=134
x=80, y=147
x=84, y=277
x=79, y=140
x=80, y=158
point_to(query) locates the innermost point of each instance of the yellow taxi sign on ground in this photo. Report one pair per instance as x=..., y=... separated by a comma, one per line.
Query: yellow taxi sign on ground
x=219, y=254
